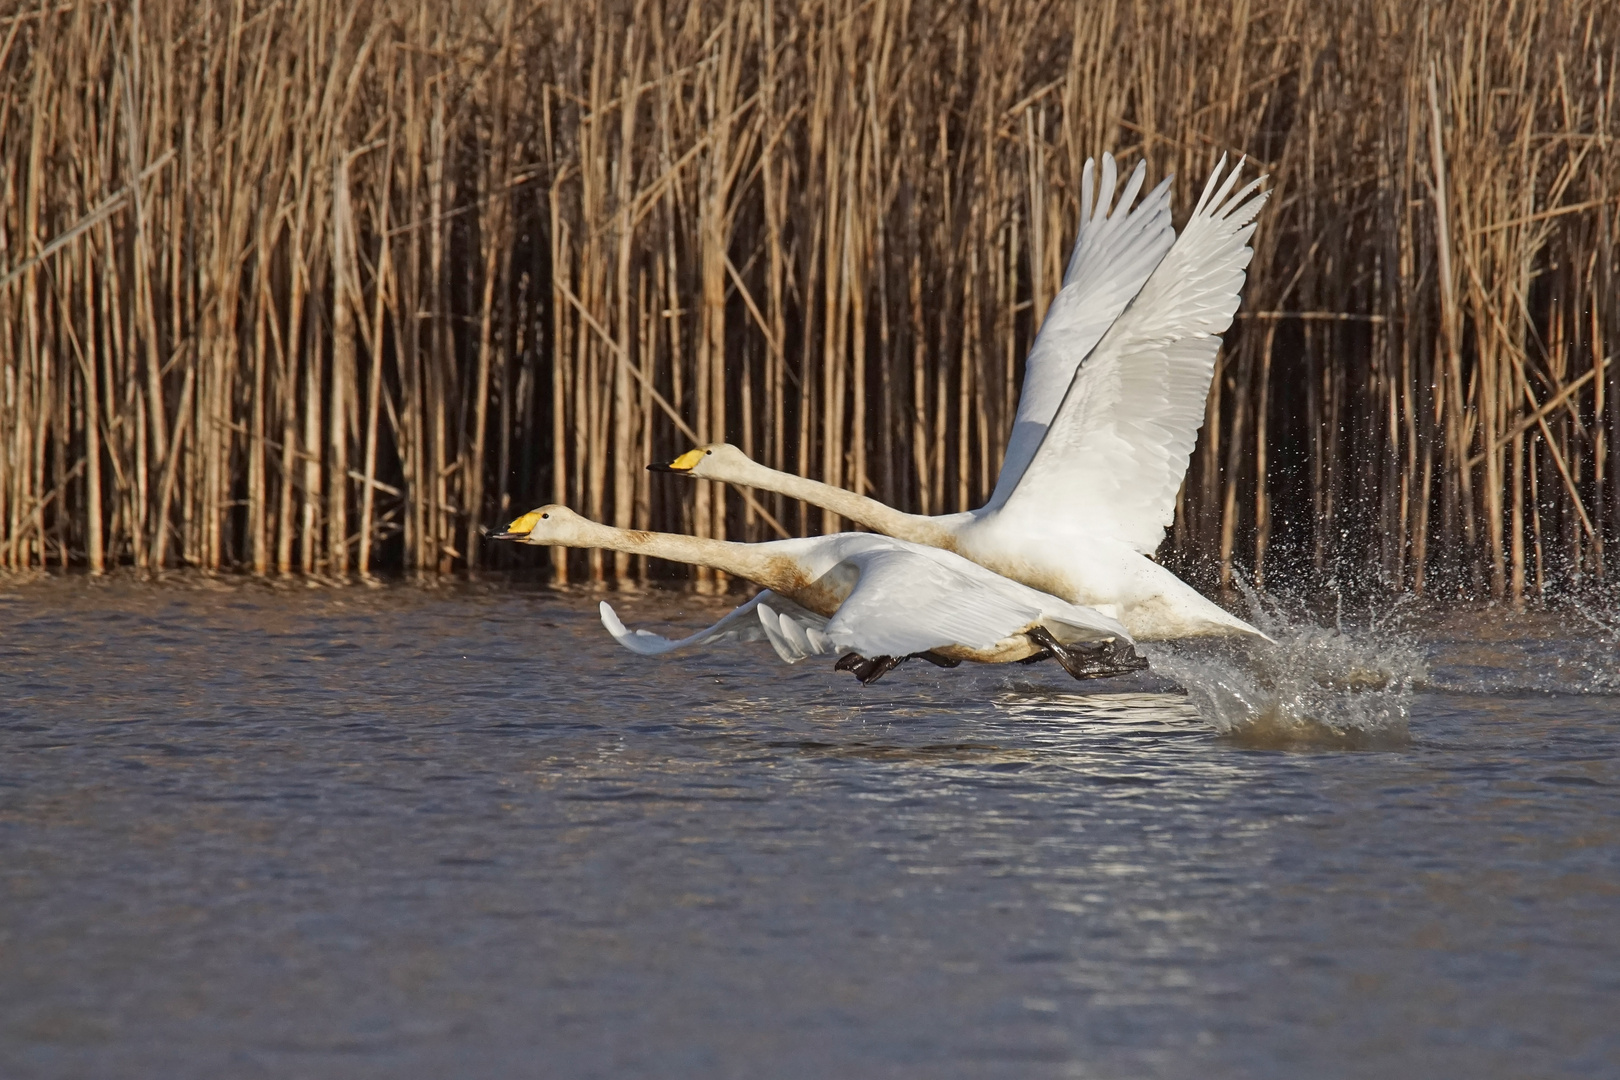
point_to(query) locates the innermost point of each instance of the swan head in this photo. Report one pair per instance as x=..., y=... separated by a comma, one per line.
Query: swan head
x=550, y=525
x=716, y=461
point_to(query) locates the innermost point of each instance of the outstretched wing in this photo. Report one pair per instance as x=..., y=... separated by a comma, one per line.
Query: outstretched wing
x=1113, y=256
x=740, y=625
x=1117, y=449
x=910, y=599
x=906, y=602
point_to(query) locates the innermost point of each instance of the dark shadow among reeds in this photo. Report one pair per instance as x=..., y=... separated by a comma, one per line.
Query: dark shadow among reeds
x=317, y=288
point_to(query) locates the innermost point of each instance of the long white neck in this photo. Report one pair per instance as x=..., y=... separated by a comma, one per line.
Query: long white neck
x=876, y=516
x=755, y=562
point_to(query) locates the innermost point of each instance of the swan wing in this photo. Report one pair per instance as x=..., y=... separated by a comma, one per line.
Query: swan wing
x=741, y=624
x=794, y=632
x=1115, y=453
x=905, y=602
x=1113, y=256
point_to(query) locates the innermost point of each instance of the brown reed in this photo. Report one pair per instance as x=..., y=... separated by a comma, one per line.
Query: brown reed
x=322, y=289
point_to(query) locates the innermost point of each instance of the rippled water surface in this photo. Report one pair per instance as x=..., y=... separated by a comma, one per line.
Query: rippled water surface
x=402, y=833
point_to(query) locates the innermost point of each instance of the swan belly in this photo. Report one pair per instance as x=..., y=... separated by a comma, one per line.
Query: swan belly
x=1182, y=612
x=1021, y=646
x=1102, y=573
x=1006, y=651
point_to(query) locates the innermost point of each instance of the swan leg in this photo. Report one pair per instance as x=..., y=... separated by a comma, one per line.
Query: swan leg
x=935, y=659
x=868, y=671
x=1098, y=661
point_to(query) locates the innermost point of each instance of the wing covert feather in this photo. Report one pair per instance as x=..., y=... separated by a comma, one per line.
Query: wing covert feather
x=907, y=602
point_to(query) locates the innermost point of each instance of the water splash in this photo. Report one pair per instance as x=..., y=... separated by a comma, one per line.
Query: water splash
x=1566, y=645
x=1600, y=611
x=1313, y=686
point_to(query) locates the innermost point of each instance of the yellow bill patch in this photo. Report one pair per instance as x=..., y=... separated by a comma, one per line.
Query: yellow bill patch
x=525, y=524
x=687, y=460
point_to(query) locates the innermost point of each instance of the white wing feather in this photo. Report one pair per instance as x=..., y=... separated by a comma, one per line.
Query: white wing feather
x=795, y=637
x=742, y=624
x=905, y=603
x=1115, y=453
x=909, y=600
x=1113, y=256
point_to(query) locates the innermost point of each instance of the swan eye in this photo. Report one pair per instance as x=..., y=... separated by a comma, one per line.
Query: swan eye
x=544, y=516
x=706, y=453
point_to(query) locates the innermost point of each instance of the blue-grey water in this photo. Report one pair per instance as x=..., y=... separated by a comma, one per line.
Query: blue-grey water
x=406, y=833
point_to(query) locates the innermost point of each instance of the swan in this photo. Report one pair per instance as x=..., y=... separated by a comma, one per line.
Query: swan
x=1099, y=449
x=885, y=600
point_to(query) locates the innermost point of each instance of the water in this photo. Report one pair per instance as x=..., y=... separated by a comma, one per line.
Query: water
x=403, y=833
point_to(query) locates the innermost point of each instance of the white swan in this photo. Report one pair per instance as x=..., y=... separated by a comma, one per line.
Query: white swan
x=884, y=599
x=1090, y=479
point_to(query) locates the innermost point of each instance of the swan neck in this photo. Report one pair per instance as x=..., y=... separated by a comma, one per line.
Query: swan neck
x=739, y=560
x=875, y=515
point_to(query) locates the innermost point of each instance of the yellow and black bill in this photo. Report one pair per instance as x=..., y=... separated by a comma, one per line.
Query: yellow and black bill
x=519, y=529
x=685, y=463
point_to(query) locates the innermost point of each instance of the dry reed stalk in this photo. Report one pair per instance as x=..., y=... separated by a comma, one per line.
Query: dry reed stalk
x=306, y=288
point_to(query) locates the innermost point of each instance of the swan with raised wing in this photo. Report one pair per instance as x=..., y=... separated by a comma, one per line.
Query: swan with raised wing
x=1099, y=448
x=885, y=600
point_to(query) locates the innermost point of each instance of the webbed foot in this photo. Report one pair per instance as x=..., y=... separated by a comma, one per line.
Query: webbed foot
x=1090, y=660
x=868, y=671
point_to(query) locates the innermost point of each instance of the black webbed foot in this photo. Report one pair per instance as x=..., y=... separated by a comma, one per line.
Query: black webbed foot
x=1087, y=660
x=868, y=671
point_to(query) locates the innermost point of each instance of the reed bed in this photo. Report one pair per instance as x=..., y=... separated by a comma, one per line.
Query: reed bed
x=295, y=287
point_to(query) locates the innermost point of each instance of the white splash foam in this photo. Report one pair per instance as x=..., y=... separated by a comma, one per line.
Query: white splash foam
x=1322, y=686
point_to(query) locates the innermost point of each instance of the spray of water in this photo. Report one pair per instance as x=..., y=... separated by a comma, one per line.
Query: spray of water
x=1566, y=644
x=1598, y=612
x=1314, y=685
